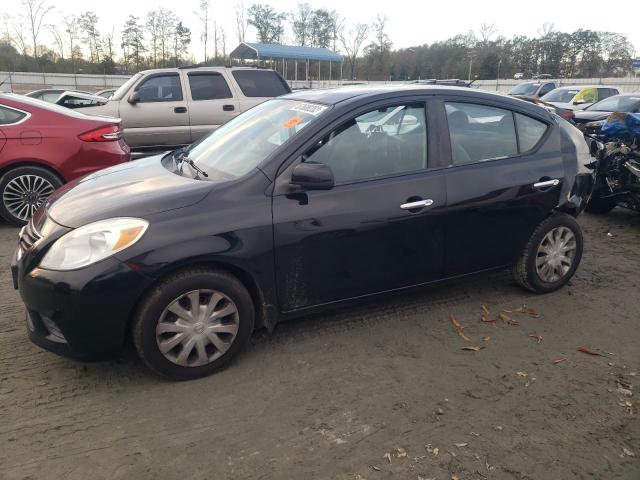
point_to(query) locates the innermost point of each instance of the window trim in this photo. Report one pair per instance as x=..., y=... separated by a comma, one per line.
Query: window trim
x=161, y=74
x=27, y=116
x=489, y=103
x=204, y=73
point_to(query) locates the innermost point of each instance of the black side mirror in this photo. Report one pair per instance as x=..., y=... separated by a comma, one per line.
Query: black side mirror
x=312, y=176
x=134, y=98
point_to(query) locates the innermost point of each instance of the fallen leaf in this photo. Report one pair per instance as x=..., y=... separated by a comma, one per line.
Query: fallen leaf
x=527, y=311
x=628, y=452
x=436, y=450
x=460, y=445
x=485, y=317
x=376, y=468
x=522, y=374
x=486, y=339
x=589, y=352
x=455, y=477
x=473, y=348
x=536, y=336
x=559, y=360
x=459, y=328
x=507, y=319
x=400, y=452
x=387, y=457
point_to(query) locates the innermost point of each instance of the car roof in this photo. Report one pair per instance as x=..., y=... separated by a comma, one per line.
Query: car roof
x=580, y=87
x=203, y=69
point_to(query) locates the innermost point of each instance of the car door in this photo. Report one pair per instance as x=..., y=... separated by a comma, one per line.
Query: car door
x=211, y=102
x=379, y=228
x=160, y=116
x=504, y=179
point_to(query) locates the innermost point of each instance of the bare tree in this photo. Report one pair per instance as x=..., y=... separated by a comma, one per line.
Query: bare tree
x=58, y=41
x=34, y=14
x=241, y=21
x=223, y=43
x=71, y=28
x=352, y=43
x=546, y=29
x=19, y=36
x=204, y=16
x=487, y=30
x=301, y=22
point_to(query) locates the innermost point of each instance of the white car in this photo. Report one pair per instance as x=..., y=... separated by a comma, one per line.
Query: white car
x=578, y=97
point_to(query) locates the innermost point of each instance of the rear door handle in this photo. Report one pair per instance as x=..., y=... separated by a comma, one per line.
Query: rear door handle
x=547, y=183
x=419, y=204
x=228, y=108
x=180, y=109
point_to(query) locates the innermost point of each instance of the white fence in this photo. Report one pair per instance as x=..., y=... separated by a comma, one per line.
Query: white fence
x=22, y=82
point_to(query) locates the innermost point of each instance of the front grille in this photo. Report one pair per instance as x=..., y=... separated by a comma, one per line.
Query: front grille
x=28, y=236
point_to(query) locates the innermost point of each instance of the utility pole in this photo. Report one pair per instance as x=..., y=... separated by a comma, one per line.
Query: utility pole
x=470, y=63
x=498, y=75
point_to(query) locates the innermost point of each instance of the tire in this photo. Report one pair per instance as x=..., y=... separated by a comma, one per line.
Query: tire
x=600, y=205
x=532, y=277
x=177, y=292
x=37, y=182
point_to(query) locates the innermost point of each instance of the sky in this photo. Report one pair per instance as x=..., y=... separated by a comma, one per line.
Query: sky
x=410, y=23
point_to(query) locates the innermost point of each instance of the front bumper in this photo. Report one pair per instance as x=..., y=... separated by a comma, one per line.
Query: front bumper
x=82, y=313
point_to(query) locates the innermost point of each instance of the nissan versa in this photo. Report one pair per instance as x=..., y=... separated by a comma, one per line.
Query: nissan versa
x=301, y=203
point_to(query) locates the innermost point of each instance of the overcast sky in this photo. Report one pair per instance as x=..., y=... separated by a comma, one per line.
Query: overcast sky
x=410, y=22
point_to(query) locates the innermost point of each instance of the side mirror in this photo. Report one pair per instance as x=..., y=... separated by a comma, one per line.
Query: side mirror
x=134, y=98
x=312, y=176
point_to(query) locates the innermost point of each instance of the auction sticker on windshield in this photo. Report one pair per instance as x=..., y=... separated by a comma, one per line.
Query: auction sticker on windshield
x=310, y=108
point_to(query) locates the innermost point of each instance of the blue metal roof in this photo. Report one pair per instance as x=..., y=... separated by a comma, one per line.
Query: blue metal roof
x=288, y=52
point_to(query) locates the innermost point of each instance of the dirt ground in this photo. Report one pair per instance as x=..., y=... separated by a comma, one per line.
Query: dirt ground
x=377, y=391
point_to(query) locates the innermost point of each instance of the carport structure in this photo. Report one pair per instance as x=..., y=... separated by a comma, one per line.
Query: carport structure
x=278, y=57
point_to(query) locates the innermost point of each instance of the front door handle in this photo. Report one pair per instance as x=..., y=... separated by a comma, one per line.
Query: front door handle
x=228, y=108
x=418, y=204
x=180, y=109
x=547, y=183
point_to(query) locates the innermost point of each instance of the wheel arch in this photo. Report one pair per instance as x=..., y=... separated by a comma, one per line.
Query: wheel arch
x=32, y=163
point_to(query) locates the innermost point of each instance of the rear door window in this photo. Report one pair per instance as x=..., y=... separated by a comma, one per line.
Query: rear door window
x=260, y=83
x=9, y=115
x=480, y=132
x=530, y=131
x=208, y=86
x=546, y=88
x=161, y=88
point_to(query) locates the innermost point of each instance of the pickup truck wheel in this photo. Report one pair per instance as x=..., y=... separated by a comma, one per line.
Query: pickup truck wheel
x=193, y=323
x=23, y=191
x=551, y=255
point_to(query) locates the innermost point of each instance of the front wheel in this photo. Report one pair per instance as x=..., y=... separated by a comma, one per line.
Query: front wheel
x=193, y=323
x=551, y=255
x=24, y=190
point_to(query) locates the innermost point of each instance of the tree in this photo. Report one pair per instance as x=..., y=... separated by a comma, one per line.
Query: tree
x=378, y=52
x=34, y=15
x=352, y=43
x=241, y=21
x=152, y=26
x=487, y=30
x=301, y=23
x=133, y=41
x=181, y=41
x=88, y=23
x=203, y=15
x=166, y=24
x=322, y=28
x=71, y=28
x=57, y=40
x=268, y=22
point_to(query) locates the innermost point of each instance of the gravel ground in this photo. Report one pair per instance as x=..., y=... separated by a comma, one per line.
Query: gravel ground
x=378, y=391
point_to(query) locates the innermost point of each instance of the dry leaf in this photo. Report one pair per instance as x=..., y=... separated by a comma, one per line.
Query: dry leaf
x=460, y=445
x=387, y=456
x=628, y=452
x=459, y=328
x=522, y=374
x=473, y=348
x=536, y=336
x=486, y=339
x=559, y=360
x=485, y=317
x=589, y=352
x=400, y=452
x=376, y=468
x=527, y=311
x=507, y=319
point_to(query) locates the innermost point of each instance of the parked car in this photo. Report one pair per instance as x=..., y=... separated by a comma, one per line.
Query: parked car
x=50, y=95
x=578, y=97
x=591, y=119
x=532, y=89
x=106, y=93
x=518, y=76
x=178, y=106
x=302, y=203
x=541, y=76
x=43, y=145
x=79, y=100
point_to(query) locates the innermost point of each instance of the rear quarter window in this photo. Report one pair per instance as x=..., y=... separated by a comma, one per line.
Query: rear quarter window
x=530, y=131
x=260, y=83
x=9, y=115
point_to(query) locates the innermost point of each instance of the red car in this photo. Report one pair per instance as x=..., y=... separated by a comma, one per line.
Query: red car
x=43, y=146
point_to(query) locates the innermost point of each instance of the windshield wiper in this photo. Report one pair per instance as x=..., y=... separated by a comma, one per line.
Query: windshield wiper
x=180, y=156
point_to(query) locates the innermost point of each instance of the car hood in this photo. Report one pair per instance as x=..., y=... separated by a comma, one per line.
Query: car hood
x=133, y=189
x=570, y=106
x=590, y=116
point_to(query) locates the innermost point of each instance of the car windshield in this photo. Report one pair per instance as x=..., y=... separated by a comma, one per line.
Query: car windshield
x=617, y=103
x=561, y=95
x=240, y=145
x=524, y=89
x=124, y=88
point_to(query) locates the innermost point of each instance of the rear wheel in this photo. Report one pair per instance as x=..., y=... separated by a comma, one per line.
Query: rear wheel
x=24, y=190
x=551, y=255
x=193, y=323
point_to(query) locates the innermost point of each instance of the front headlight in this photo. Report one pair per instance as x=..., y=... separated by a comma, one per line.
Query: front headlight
x=93, y=242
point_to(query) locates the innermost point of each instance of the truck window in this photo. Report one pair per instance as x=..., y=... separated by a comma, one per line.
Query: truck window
x=208, y=86
x=260, y=83
x=161, y=88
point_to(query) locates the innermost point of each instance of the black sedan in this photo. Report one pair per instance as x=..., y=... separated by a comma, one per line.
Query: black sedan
x=591, y=119
x=302, y=203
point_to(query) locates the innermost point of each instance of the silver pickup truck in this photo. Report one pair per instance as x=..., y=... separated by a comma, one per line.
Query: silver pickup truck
x=176, y=106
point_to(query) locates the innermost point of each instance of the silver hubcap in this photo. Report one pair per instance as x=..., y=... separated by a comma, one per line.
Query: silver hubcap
x=556, y=253
x=25, y=194
x=197, y=328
